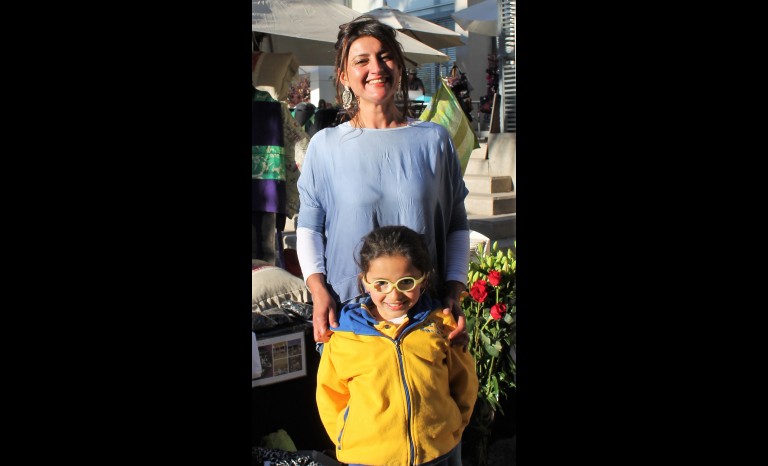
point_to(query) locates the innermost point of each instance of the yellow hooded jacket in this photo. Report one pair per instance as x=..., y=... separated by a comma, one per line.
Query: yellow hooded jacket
x=395, y=394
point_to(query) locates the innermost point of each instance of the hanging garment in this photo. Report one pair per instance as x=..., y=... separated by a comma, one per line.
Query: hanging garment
x=277, y=144
x=267, y=155
x=276, y=140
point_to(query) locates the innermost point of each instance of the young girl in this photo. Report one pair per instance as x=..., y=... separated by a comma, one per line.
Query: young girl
x=391, y=390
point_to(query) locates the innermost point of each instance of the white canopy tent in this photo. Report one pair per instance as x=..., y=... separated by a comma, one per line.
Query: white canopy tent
x=481, y=18
x=420, y=29
x=309, y=30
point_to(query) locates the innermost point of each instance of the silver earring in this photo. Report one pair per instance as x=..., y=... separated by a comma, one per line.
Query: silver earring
x=346, y=98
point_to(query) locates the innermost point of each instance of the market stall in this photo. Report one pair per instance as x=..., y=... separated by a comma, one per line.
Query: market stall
x=284, y=361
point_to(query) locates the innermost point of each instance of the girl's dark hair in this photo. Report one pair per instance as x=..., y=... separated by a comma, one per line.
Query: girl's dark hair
x=364, y=26
x=395, y=240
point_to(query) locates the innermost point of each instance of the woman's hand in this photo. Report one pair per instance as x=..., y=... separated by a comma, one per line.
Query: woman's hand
x=323, y=308
x=452, y=303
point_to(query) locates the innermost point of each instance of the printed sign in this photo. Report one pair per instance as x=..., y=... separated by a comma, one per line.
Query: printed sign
x=282, y=358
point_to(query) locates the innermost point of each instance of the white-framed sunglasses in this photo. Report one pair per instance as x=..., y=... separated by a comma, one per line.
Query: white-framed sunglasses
x=382, y=285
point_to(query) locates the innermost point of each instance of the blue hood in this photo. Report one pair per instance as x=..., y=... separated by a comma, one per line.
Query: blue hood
x=357, y=320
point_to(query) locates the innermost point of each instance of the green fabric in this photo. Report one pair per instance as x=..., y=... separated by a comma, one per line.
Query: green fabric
x=446, y=111
x=267, y=163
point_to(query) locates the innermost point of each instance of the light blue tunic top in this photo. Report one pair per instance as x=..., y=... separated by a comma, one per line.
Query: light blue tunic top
x=356, y=179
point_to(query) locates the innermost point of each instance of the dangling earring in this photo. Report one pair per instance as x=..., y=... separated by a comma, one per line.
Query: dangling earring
x=346, y=98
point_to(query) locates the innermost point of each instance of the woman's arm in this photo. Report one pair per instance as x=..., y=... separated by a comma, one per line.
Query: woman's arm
x=323, y=308
x=310, y=251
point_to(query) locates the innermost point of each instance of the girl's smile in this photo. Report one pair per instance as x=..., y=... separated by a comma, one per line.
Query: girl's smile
x=394, y=303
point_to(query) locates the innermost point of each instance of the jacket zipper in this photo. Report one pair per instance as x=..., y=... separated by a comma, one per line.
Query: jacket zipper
x=411, y=447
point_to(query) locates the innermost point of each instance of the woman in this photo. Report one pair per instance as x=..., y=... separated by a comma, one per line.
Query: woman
x=379, y=168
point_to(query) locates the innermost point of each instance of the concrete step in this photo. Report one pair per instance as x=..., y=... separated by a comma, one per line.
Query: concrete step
x=502, y=155
x=488, y=184
x=490, y=203
x=478, y=166
x=495, y=227
x=480, y=153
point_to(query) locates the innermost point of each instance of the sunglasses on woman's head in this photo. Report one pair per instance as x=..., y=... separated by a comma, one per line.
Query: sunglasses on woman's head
x=382, y=285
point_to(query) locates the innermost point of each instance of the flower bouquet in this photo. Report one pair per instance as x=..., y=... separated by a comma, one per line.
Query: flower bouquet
x=490, y=311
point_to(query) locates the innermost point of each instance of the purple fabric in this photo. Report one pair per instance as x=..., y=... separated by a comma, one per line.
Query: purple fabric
x=268, y=196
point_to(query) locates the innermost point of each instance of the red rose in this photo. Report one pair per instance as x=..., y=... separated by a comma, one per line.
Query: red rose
x=498, y=311
x=478, y=291
x=494, y=277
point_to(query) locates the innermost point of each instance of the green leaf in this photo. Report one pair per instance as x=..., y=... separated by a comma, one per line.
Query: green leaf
x=508, y=318
x=490, y=349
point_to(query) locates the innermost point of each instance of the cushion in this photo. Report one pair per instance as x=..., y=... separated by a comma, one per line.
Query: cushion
x=272, y=285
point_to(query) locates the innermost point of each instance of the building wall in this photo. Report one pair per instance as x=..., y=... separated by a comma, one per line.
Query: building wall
x=473, y=57
x=323, y=84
